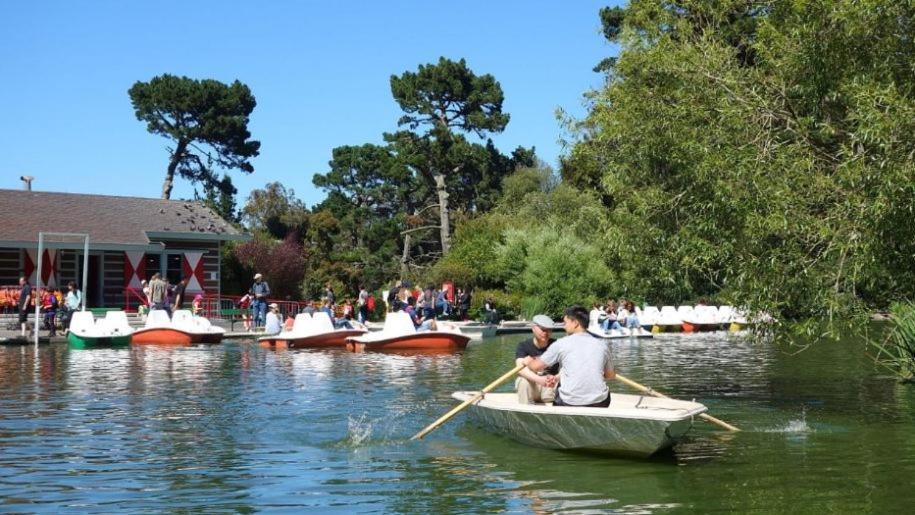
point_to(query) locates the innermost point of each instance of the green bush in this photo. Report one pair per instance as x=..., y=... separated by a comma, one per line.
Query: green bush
x=507, y=304
x=552, y=269
x=897, y=352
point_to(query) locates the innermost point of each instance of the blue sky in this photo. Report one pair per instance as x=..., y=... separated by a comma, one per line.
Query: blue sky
x=320, y=73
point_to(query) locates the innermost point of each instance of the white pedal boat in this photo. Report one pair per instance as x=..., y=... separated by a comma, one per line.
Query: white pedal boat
x=616, y=334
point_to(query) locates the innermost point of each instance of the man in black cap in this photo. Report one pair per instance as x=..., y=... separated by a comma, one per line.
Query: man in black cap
x=532, y=386
x=585, y=360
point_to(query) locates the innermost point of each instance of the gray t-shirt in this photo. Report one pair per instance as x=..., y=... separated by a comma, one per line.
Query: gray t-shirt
x=584, y=359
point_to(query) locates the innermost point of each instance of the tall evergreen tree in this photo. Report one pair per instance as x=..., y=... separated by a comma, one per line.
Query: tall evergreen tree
x=206, y=120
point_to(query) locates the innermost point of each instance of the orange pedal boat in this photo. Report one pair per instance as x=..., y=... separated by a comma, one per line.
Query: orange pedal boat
x=400, y=334
x=310, y=331
x=159, y=331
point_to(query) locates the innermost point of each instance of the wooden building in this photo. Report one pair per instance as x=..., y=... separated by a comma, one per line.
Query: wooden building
x=129, y=239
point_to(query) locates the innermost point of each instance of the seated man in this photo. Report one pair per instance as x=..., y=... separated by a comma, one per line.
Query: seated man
x=274, y=324
x=531, y=386
x=421, y=324
x=585, y=362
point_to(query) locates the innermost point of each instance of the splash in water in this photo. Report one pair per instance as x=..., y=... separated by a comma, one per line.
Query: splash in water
x=358, y=430
x=798, y=426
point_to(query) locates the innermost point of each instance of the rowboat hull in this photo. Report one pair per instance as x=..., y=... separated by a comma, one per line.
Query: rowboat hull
x=632, y=425
x=324, y=340
x=163, y=336
x=431, y=340
x=89, y=342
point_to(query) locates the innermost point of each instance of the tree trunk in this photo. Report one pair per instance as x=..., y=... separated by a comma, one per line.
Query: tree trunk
x=405, y=258
x=172, y=166
x=443, y=212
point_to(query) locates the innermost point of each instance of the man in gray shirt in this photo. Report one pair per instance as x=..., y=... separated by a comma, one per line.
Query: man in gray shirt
x=158, y=294
x=585, y=362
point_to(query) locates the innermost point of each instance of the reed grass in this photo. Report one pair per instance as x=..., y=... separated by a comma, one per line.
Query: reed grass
x=897, y=350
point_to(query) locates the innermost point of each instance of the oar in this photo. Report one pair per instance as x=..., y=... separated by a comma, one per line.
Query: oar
x=649, y=391
x=444, y=418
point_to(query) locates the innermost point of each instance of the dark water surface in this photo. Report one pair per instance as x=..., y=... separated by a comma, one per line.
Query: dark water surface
x=236, y=427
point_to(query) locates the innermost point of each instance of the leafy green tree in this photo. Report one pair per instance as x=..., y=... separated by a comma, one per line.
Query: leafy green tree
x=443, y=98
x=370, y=193
x=206, y=120
x=276, y=211
x=553, y=267
x=757, y=151
x=222, y=199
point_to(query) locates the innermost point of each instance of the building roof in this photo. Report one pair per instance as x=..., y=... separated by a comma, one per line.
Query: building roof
x=108, y=219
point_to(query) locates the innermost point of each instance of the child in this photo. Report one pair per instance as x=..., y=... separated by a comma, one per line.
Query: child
x=244, y=304
x=49, y=304
x=197, y=306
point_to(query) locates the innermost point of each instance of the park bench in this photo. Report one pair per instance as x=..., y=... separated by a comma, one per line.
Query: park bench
x=101, y=311
x=233, y=315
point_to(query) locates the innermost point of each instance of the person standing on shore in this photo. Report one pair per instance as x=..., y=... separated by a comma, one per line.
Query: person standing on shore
x=179, y=293
x=362, y=305
x=25, y=300
x=329, y=295
x=71, y=304
x=260, y=290
x=158, y=294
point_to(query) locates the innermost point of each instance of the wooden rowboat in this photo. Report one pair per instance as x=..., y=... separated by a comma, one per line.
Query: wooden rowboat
x=399, y=334
x=633, y=424
x=310, y=331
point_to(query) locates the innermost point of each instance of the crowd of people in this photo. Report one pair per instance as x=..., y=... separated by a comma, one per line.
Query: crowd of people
x=614, y=315
x=56, y=306
x=158, y=293
x=424, y=305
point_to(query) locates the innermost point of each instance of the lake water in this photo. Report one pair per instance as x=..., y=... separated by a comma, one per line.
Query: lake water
x=236, y=427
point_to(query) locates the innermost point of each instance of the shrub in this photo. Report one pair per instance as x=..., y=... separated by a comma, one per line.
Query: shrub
x=553, y=269
x=508, y=304
x=897, y=352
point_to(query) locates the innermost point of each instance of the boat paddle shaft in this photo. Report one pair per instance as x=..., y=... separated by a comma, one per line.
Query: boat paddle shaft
x=444, y=418
x=649, y=391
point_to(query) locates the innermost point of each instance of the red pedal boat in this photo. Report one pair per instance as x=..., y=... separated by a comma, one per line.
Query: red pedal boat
x=400, y=334
x=159, y=331
x=310, y=331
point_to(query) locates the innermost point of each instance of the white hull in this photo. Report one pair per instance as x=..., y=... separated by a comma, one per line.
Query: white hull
x=632, y=425
x=478, y=331
x=616, y=334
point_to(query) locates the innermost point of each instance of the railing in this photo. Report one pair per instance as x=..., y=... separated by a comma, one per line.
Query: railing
x=210, y=306
x=9, y=298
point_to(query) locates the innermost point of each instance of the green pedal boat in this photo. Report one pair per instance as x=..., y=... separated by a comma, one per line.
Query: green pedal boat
x=111, y=331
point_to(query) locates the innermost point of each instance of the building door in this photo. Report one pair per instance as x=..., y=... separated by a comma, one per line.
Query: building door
x=94, y=291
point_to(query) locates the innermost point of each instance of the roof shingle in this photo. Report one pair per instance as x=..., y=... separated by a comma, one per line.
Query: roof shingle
x=107, y=219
